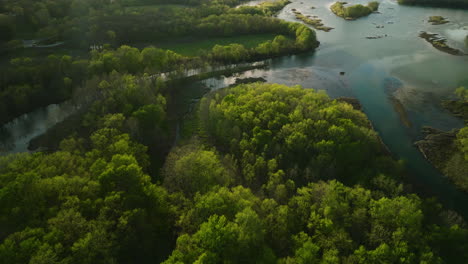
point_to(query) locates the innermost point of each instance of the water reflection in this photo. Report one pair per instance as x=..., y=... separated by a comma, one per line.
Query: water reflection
x=347, y=64
x=15, y=136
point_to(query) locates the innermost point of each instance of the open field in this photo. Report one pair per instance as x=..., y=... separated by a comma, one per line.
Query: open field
x=192, y=47
x=139, y=8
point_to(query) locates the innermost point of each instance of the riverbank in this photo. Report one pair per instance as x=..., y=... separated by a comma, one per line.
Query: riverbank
x=51, y=138
x=441, y=150
x=444, y=149
x=458, y=108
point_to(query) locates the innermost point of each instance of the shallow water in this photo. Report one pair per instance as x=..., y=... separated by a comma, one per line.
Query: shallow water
x=16, y=135
x=400, y=65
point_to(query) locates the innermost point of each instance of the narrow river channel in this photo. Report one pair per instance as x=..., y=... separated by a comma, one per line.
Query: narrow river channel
x=399, y=65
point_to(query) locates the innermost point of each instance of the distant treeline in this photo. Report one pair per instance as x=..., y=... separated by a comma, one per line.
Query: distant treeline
x=441, y=3
x=30, y=82
x=75, y=20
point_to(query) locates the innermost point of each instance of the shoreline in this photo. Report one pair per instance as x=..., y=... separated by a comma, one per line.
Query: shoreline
x=440, y=149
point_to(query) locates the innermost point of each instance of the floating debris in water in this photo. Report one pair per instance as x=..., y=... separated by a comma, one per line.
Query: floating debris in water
x=377, y=37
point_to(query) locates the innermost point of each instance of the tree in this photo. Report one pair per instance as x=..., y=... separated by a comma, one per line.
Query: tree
x=152, y=115
x=7, y=28
x=462, y=93
x=192, y=169
x=462, y=138
x=308, y=136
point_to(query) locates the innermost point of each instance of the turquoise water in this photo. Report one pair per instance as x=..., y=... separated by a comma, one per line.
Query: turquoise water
x=422, y=75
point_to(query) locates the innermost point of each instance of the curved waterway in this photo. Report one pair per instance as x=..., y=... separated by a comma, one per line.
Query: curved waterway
x=399, y=65
x=16, y=135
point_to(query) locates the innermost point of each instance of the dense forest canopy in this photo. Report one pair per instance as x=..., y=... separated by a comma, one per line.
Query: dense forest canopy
x=452, y=156
x=252, y=173
x=93, y=201
x=293, y=133
x=32, y=82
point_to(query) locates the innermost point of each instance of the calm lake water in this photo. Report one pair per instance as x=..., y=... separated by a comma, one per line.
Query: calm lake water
x=400, y=65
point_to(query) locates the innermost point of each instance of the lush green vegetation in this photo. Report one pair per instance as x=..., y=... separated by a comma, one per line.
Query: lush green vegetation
x=458, y=107
x=249, y=194
x=264, y=173
x=306, y=135
x=448, y=151
x=438, y=20
x=274, y=6
x=44, y=76
x=197, y=47
x=354, y=11
x=27, y=83
x=315, y=22
x=456, y=167
x=441, y=3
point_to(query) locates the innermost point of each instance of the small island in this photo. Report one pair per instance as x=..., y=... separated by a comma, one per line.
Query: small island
x=440, y=43
x=314, y=22
x=355, y=11
x=438, y=20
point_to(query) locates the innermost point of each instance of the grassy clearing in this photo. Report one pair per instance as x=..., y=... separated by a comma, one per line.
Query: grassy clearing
x=153, y=7
x=193, y=47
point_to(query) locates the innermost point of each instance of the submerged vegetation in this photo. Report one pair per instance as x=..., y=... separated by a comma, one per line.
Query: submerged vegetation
x=354, y=11
x=314, y=22
x=438, y=20
x=252, y=173
x=440, y=43
x=448, y=151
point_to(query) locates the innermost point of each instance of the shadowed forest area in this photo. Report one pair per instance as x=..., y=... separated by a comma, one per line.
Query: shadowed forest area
x=148, y=169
